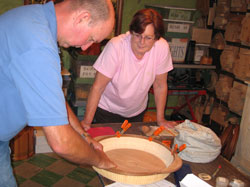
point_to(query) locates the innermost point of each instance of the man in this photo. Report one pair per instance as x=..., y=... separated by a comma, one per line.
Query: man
x=30, y=79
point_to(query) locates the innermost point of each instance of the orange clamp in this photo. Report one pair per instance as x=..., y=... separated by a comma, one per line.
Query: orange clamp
x=118, y=134
x=156, y=132
x=182, y=147
x=166, y=142
x=124, y=124
x=159, y=130
x=174, y=150
x=124, y=127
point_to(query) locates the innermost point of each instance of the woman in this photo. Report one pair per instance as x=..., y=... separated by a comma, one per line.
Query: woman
x=126, y=69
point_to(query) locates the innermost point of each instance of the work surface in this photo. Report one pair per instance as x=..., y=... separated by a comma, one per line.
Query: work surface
x=227, y=169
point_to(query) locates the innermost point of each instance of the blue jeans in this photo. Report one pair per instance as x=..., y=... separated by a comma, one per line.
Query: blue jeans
x=7, y=178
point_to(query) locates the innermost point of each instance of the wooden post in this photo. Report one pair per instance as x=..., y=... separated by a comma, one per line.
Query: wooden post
x=119, y=11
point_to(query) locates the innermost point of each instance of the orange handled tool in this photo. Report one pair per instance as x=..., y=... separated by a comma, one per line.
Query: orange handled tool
x=174, y=150
x=156, y=133
x=182, y=147
x=124, y=124
x=124, y=127
x=177, y=150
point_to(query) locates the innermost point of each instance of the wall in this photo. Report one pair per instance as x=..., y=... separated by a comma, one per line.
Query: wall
x=131, y=6
x=9, y=4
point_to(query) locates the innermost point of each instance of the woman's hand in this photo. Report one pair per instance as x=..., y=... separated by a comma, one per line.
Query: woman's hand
x=167, y=124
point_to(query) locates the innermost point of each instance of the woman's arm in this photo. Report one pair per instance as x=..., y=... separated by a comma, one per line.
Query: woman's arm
x=160, y=94
x=94, y=96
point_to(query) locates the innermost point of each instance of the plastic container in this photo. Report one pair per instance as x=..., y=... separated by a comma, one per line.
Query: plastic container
x=175, y=13
x=82, y=66
x=222, y=182
x=178, y=29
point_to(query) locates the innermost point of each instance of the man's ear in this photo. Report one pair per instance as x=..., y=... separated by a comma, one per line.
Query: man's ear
x=82, y=18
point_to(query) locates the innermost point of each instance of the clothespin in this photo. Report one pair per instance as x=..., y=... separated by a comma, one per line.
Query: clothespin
x=124, y=127
x=156, y=132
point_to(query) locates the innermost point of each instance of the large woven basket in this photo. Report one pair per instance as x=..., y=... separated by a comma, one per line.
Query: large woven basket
x=140, y=143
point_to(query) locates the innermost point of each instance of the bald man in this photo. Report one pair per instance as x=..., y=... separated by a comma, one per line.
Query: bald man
x=30, y=79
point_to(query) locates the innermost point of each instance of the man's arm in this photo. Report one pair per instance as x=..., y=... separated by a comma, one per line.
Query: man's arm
x=94, y=96
x=68, y=143
x=75, y=123
x=160, y=94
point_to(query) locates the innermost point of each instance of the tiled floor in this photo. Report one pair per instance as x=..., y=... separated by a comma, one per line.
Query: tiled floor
x=50, y=170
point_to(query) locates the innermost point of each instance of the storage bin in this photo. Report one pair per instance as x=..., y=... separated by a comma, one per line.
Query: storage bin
x=178, y=29
x=66, y=76
x=82, y=66
x=80, y=94
x=175, y=13
x=79, y=111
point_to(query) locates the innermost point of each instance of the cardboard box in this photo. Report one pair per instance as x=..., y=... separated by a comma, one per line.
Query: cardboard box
x=202, y=36
x=191, y=180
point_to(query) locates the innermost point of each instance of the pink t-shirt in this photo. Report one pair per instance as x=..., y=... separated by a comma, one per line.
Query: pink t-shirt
x=127, y=93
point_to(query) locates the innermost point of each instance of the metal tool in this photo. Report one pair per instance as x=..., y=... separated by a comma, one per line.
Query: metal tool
x=156, y=132
x=125, y=126
x=216, y=171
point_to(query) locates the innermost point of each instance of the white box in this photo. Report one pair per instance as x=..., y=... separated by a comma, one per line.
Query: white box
x=178, y=49
x=42, y=145
x=200, y=50
x=190, y=180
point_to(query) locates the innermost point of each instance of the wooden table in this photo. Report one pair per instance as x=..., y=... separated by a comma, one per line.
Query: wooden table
x=227, y=169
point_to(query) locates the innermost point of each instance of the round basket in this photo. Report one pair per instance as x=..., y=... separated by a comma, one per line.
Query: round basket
x=139, y=160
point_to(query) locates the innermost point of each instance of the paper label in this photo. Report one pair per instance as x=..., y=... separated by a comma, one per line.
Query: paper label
x=180, y=28
x=198, y=55
x=179, y=15
x=87, y=72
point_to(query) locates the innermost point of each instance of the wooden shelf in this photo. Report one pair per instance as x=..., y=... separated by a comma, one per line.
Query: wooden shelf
x=170, y=7
x=194, y=66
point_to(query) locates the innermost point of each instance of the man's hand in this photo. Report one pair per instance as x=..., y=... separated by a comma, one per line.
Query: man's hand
x=86, y=126
x=94, y=143
x=167, y=124
x=105, y=162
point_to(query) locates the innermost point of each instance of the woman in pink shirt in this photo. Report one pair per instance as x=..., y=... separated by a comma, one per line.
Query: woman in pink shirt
x=126, y=69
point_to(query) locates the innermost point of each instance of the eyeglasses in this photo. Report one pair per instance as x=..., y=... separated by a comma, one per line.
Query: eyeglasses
x=139, y=37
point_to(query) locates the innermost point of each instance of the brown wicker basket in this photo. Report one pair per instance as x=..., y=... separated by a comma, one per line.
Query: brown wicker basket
x=140, y=161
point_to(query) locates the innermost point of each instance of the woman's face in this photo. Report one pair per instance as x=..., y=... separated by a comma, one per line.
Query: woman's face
x=142, y=43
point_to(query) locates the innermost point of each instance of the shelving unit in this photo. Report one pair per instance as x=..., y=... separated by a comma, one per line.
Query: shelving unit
x=194, y=66
x=238, y=91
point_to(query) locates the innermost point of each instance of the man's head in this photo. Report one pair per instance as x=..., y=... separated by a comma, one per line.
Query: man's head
x=80, y=23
